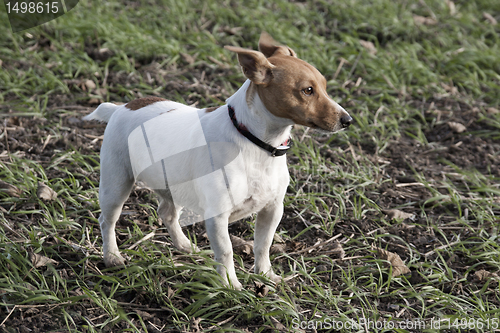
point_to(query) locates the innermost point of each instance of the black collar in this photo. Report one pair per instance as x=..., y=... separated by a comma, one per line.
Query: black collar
x=275, y=151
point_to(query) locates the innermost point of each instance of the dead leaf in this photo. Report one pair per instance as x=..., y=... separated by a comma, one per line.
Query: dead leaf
x=277, y=248
x=45, y=193
x=94, y=101
x=450, y=88
x=188, y=58
x=241, y=246
x=398, y=214
x=297, y=246
x=105, y=51
x=422, y=20
x=39, y=261
x=277, y=325
x=170, y=292
x=337, y=250
x=457, y=127
x=493, y=111
x=9, y=189
x=398, y=266
x=490, y=18
x=89, y=85
x=369, y=46
x=195, y=325
x=278, y=239
x=483, y=275
x=143, y=314
x=261, y=290
x=233, y=31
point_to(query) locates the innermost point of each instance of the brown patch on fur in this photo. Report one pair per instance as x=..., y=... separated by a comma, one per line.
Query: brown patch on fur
x=213, y=108
x=139, y=103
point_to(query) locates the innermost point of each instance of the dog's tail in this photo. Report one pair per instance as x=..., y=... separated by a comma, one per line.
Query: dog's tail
x=103, y=112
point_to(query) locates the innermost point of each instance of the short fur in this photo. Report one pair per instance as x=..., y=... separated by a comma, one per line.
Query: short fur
x=281, y=91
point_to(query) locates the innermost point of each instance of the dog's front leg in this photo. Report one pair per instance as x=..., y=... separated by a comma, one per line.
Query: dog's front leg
x=265, y=227
x=218, y=234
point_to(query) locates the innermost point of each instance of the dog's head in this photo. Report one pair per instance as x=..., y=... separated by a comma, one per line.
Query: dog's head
x=290, y=87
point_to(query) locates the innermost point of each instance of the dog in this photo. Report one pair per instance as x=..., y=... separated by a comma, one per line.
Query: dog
x=223, y=163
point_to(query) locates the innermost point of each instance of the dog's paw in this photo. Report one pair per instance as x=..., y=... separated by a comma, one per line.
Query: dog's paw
x=113, y=260
x=187, y=247
x=274, y=277
x=235, y=284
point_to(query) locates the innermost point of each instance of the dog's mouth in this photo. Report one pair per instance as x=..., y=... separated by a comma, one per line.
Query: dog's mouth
x=328, y=128
x=322, y=128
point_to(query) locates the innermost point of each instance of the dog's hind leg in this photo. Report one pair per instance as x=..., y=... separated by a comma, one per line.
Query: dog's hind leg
x=112, y=195
x=170, y=217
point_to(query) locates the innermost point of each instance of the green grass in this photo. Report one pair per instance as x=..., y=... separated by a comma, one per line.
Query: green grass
x=421, y=77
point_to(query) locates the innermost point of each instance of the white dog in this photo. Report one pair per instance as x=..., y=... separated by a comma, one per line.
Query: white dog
x=223, y=163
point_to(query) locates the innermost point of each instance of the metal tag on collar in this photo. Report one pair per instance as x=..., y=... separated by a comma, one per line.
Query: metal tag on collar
x=279, y=151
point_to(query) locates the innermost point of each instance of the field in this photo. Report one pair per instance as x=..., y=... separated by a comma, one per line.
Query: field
x=392, y=225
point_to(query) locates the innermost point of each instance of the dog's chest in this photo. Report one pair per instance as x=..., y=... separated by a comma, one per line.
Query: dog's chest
x=264, y=185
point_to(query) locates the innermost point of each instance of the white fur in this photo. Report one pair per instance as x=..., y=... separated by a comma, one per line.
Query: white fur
x=261, y=178
x=198, y=160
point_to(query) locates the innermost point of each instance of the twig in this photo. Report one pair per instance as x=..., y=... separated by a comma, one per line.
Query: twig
x=410, y=184
x=90, y=136
x=84, y=249
x=317, y=245
x=6, y=139
x=29, y=306
x=52, y=306
x=377, y=113
x=374, y=231
x=46, y=142
x=13, y=231
x=389, y=82
x=337, y=72
x=11, y=311
x=441, y=247
x=350, y=258
x=304, y=135
x=145, y=238
x=218, y=325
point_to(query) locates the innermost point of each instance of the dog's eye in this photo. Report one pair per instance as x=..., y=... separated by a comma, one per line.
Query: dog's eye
x=308, y=91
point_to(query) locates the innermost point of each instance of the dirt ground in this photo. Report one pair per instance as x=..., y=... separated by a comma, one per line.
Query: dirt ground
x=400, y=159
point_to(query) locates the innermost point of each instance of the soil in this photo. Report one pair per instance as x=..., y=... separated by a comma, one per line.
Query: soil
x=398, y=163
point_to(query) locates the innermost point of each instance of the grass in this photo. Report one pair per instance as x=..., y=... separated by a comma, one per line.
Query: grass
x=401, y=154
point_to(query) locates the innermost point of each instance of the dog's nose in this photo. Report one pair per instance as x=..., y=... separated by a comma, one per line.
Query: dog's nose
x=346, y=120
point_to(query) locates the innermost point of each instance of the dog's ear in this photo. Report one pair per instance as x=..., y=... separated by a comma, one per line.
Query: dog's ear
x=269, y=47
x=255, y=65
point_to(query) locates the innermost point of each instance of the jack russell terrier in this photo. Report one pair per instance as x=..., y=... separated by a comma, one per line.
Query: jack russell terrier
x=222, y=163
